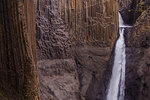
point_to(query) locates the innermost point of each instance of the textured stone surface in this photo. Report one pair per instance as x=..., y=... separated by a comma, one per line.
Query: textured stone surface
x=52, y=37
x=124, y=7
x=93, y=28
x=58, y=79
x=90, y=21
x=93, y=71
x=18, y=69
x=57, y=69
x=138, y=59
x=132, y=9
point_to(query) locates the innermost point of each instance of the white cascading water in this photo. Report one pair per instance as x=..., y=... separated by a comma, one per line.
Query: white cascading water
x=117, y=82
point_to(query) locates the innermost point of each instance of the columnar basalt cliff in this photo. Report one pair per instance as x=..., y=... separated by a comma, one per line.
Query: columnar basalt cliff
x=72, y=43
x=18, y=66
x=91, y=27
x=91, y=21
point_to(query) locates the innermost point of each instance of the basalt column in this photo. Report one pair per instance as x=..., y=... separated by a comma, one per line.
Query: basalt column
x=18, y=69
x=93, y=29
x=90, y=21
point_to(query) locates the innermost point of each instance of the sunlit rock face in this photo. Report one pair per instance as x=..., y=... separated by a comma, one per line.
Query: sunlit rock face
x=138, y=59
x=93, y=29
x=92, y=22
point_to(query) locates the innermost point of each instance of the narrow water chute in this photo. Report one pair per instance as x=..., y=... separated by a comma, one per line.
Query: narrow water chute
x=117, y=81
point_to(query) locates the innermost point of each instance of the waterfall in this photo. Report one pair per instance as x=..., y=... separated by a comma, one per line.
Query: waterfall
x=117, y=81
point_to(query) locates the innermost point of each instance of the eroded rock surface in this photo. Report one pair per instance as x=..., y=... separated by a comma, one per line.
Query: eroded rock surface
x=58, y=79
x=138, y=59
x=92, y=22
x=52, y=37
x=93, y=28
x=57, y=68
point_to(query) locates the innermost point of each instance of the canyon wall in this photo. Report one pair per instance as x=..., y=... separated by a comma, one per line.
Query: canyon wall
x=132, y=9
x=18, y=65
x=52, y=38
x=57, y=68
x=138, y=59
x=75, y=39
x=90, y=21
x=137, y=48
x=93, y=28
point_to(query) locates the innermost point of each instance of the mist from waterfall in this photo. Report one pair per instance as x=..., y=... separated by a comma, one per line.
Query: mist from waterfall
x=117, y=81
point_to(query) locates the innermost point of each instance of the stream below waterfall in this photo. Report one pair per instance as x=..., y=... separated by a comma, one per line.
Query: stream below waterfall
x=117, y=81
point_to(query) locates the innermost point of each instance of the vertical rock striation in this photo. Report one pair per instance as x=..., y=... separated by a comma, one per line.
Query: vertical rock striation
x=91, y=21
x=93, y=28
x=18, y=69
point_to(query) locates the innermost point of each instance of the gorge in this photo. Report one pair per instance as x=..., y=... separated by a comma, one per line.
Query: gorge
x=74, y=50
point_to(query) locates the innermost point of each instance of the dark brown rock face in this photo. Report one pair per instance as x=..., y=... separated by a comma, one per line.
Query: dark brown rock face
x=18, y=69
x=132, y=9
x=138, y=59
x=124, y=7
x=91, y=27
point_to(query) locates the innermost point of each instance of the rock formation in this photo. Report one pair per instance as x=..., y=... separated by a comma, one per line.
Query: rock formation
x=137, y=48
x=57, y=68
x=75, y=72
x=52, y=38
x=74, y=41
x=132, y=9
x=93, y=28
x=91, y=21
x=18, y=65
x=138, y=59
